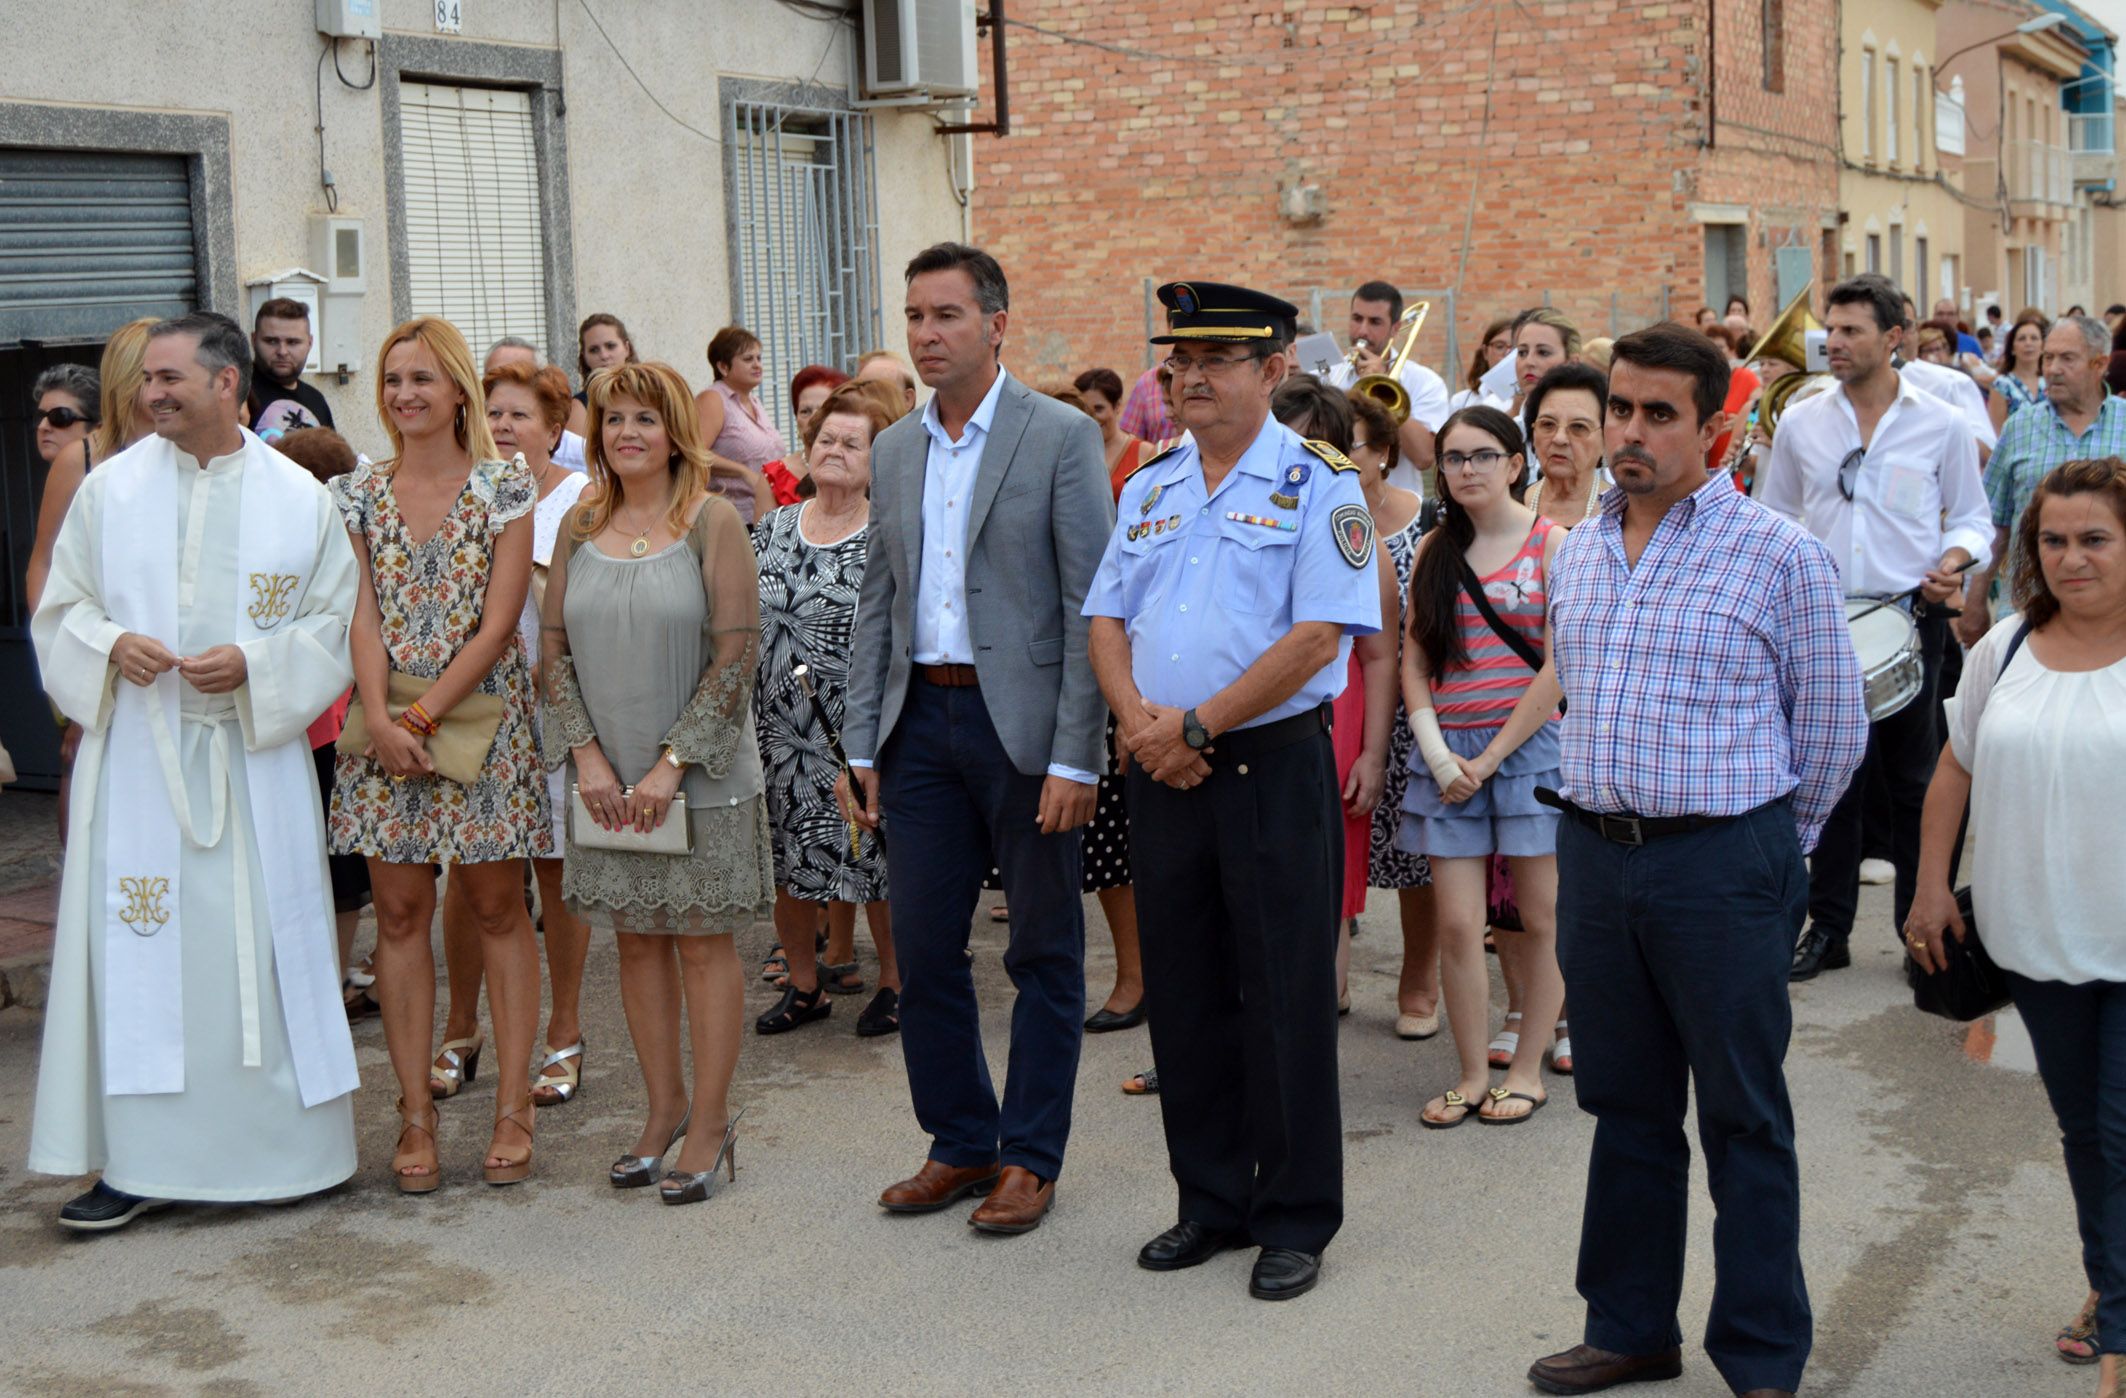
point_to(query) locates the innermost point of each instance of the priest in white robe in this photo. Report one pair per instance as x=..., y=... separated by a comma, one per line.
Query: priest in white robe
x=194, y=624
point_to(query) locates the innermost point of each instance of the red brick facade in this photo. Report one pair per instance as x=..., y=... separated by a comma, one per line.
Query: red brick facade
x=1574, y=140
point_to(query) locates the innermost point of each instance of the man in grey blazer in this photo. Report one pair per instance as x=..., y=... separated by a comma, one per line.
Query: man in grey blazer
x=975, y=728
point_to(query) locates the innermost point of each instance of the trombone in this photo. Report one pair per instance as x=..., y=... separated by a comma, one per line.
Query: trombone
x=1385, y=387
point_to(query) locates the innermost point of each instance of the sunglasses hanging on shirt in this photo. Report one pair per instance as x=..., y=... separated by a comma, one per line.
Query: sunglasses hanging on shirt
x=1849, y=471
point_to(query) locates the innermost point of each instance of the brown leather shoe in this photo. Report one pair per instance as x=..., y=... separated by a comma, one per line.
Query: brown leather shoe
x=1585, y=1369
x=1016, y=1204
x=936, y=1186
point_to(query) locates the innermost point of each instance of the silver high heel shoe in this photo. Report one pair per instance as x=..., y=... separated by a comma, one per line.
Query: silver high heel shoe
x=696, y=1188
x=635, y=1171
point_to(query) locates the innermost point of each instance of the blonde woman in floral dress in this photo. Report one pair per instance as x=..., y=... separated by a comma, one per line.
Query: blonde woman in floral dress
x=443, y=532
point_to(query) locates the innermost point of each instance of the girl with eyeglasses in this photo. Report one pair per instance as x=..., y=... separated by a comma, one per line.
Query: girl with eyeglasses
x=1482, y=696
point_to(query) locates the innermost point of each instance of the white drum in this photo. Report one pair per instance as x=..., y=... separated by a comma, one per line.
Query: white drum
x=1888, y=646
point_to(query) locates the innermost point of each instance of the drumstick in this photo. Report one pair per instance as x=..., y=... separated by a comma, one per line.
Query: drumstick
x=803, y=675
x=1896, y=597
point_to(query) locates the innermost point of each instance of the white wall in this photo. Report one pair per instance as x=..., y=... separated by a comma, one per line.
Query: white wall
x=646, y=196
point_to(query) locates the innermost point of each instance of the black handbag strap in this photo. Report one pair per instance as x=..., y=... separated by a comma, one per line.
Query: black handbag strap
x=1514, y=640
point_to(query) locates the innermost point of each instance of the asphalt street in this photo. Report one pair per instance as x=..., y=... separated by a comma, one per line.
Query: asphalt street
x=1939, y=1239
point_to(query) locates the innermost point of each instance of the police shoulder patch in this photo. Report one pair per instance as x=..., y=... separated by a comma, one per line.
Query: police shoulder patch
x=1353, y=527
x=1336, y=460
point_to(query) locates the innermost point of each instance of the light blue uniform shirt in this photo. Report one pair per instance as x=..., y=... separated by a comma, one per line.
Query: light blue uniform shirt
x=1206, y=584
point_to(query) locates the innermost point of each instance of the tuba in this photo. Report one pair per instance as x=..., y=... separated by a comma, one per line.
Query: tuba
x=1787, y=343
x=1385, y=386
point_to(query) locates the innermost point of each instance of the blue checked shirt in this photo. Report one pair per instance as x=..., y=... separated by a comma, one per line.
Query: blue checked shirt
x=1713, y=677
x=2035, y=440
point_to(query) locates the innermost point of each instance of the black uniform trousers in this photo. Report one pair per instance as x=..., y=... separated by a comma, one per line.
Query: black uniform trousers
x=1903, y=748
x=1237, y=891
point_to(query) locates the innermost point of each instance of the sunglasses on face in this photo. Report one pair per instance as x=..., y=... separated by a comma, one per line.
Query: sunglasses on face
x=63, y=418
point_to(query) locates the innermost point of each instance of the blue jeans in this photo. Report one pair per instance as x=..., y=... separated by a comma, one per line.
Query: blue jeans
x=1675, y=956
x=953, y=804
x=2079, y=1032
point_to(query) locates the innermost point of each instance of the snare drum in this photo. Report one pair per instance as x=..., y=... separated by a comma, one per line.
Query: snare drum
x=1888, y=646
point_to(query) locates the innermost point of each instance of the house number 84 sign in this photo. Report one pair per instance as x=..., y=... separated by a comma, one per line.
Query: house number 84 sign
x=450, y=17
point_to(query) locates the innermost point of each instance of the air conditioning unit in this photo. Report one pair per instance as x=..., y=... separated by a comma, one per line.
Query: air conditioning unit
x=918, y=48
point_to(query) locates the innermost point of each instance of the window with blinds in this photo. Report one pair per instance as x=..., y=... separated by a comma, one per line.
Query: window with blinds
x=475, y=245
x=804, y=254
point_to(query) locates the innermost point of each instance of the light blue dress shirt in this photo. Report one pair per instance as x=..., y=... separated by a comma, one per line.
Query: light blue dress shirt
x=1206, y=582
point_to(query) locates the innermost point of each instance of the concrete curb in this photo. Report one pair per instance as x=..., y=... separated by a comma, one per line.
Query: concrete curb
x=24, y=981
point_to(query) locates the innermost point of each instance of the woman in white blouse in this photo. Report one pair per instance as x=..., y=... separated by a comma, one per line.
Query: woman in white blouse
x=2037, y=744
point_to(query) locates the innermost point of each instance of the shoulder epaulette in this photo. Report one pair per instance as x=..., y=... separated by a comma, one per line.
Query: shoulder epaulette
x=1335, y=459
x=1160, y=455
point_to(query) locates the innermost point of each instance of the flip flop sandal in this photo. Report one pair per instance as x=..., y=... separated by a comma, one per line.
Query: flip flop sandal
x=2083, y=1333
x=1500, y=1095
x=1144, y=1084
x=1501, y=1051
x=1452, y=1098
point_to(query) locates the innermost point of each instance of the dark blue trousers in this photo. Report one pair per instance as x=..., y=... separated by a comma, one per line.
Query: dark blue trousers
x=2079, y=1032
x=1675, y=956
x=953, y=805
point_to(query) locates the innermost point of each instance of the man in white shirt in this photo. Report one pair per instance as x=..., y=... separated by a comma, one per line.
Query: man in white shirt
x=1887, y=476
x=1953, y=386
x=975, y=726
x=1376, y=307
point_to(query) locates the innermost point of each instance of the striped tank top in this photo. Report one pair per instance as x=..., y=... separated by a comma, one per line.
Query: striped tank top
x=1481, y=691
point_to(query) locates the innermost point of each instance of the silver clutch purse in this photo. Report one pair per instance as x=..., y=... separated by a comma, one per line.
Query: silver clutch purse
x=672, y=837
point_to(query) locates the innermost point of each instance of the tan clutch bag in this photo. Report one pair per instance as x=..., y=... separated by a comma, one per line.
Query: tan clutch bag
x=462, y=738
x=672, y=837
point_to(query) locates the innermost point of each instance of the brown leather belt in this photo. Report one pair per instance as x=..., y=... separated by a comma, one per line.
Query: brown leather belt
x=950, y=676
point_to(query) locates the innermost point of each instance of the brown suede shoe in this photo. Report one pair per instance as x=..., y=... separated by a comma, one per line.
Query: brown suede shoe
x=1585, y=1369
x=1016, y=1204
x=936, y=1186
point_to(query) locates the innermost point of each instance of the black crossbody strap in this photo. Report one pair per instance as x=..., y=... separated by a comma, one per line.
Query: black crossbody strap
x=1474, y=586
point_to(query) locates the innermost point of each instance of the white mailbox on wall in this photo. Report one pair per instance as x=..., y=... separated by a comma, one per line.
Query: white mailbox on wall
x=339, y=251
x=295, y=284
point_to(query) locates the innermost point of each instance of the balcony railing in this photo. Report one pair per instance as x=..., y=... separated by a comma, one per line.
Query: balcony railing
x=2037, y=171
x=2091, y=136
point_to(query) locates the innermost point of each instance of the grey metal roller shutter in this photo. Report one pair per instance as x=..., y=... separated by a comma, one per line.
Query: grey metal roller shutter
x=90, y=240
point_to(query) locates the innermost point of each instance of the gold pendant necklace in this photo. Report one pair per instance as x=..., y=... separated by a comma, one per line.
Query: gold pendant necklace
x=641, y=545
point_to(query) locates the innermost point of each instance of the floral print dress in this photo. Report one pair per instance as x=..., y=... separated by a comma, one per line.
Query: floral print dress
x=430, y=596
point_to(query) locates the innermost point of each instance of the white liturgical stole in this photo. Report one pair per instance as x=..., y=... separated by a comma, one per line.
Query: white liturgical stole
x=143, y=1012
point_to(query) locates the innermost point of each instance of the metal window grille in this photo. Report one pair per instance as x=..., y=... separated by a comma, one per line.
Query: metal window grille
x=805, y=225
x=475, y=245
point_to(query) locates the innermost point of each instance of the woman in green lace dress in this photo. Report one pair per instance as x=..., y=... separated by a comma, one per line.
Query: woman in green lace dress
x=651, y=630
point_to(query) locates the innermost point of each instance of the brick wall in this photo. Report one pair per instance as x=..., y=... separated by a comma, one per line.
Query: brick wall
x=1568, y=137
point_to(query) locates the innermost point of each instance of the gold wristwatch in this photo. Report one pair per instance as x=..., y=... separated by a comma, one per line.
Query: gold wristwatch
x=673, y=759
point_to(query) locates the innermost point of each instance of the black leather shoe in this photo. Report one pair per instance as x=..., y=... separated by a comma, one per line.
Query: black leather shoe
x=1187, y=1244
x=1107, y=1021
x=104, y=1208
x=1585, y=1369
x=1282, y=1273
x=1818, y=951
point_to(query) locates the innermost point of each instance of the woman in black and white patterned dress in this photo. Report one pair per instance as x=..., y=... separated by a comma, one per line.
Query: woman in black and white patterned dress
x=811, y=559
x=1398, y=521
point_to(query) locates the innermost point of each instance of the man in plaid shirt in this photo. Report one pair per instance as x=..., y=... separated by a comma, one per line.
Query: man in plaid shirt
x=1714, y=716
x=2079, y=419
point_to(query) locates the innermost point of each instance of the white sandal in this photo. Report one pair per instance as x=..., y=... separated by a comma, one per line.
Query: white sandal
x=563, y=1082
x=1561, y=1052
x=1506, y=1044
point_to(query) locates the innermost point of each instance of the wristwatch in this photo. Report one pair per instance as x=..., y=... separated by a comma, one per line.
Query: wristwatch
x=1193, y=732
x=671, y=758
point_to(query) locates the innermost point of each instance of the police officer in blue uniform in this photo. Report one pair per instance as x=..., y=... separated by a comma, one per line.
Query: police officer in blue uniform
x=1223, y=611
